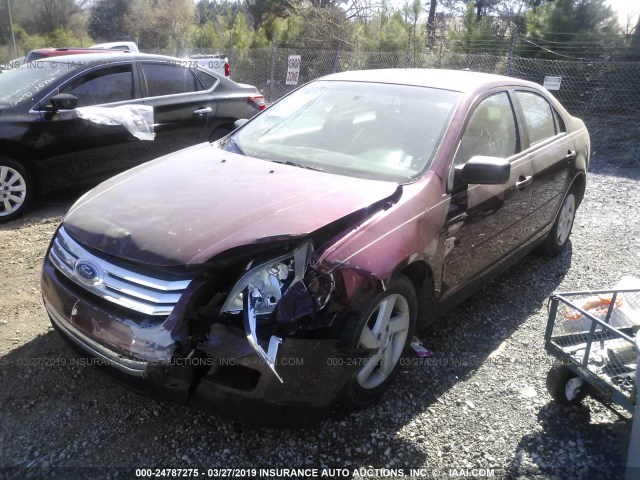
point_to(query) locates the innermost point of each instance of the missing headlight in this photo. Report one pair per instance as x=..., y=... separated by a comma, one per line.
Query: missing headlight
x=258, y=292
x=269, y=284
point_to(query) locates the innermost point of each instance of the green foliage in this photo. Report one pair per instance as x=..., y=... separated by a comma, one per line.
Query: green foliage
x=58, y=37
x=569, y=29
x=216, y=12
x=471, y=35
x=557, y=29
x=66, y=37
x=287, y=30
x=386, y=32
x=108, y=20
x=27, y=42
x=242, y=35
x=262, y=11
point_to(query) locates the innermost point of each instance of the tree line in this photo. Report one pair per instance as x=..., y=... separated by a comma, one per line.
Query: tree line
x=551, y=29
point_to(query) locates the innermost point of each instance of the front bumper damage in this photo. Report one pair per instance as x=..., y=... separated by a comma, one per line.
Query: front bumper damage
x=289, y=386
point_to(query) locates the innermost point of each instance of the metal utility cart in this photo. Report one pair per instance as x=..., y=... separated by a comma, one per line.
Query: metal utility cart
x=594, y=336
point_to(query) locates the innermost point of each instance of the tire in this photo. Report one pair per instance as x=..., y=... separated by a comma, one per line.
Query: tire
x=397, y=303
x=16, y=189
x=558, y=237
x=564, y=386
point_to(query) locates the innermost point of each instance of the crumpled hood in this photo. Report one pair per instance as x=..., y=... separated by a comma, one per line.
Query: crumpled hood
x=187, y=207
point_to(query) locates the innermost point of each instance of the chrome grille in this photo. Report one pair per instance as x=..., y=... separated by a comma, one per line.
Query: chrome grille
x=138, y=292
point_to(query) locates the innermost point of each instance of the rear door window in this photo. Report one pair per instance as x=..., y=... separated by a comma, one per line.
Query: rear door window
x=167, y=79
x=538, y=116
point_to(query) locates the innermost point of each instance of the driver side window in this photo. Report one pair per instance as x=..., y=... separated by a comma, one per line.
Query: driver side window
x=491, y=131
x=104, y=85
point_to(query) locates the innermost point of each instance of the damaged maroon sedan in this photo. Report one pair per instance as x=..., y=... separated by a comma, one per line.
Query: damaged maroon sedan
x=287, y=266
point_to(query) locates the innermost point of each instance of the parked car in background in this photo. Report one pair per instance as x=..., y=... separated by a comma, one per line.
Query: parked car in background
x=219, y=63
x=130, y=46
x=315, y=239
x=45, y=145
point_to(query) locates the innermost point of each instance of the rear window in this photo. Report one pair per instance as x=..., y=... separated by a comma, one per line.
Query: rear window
x=208, y=81
x=31, y=56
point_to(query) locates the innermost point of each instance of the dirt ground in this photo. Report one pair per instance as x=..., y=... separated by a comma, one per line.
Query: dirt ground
x=23, y=244
x=58, y=421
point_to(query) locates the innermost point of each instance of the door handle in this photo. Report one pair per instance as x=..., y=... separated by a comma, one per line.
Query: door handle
x=202, y=111
x=571, y=154
x=524, y=181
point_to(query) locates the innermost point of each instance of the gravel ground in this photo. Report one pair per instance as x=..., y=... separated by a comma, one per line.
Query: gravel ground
x=482, y=403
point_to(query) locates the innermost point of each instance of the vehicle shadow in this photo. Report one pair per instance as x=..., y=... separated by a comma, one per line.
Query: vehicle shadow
x=565, y=448
x=51, y=401
x=52, y=398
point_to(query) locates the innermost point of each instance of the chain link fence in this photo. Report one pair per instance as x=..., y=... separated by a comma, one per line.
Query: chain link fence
x=605, y=94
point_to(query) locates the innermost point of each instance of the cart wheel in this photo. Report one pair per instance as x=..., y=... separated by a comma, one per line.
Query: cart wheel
x=564, y=386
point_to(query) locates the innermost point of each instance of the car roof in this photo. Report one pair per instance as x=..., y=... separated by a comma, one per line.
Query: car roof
x=111, y=56
x=81, y=61
x=457, y=80
x=76, y=50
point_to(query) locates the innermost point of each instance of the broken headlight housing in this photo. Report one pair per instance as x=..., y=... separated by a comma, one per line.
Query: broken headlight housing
x=267, y=282
x=258, y=292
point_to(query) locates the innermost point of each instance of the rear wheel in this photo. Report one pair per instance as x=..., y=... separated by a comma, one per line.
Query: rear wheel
x=16, y=189
x=385, y=331
x=558, y=237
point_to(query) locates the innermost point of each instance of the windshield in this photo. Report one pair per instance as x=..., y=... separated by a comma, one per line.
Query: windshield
x=23, y=84
x=367, y=130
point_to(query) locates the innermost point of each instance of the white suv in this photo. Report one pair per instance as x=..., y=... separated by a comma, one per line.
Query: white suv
x=131, y=46
x=217, y=63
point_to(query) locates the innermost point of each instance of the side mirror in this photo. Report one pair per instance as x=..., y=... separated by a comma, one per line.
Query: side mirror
x=64, y=101
x=240, y=122
x=485, y=171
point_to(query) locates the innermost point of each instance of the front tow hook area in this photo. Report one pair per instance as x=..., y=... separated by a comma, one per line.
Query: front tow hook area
x=173, y=382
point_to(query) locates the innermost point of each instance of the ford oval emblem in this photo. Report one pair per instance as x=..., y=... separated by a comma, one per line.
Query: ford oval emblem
x=88, y=273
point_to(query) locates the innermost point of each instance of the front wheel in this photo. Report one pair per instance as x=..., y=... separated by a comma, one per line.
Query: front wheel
x=385, y=330
x=558, y=237
x=16, y=189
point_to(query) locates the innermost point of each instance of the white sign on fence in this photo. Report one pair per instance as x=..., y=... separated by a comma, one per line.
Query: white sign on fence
x=293, y=69
x=552, y=83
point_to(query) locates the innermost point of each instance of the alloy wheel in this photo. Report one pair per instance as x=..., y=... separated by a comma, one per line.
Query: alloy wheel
x=13, y=190
x=385, y=333
x=565, y=221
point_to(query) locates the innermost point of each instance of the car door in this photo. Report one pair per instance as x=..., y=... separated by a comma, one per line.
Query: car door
x=551, y=151
x=183, y=110
x=485, y=223
x=81, y=151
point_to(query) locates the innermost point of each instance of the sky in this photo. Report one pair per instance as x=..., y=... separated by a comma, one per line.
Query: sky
x=624, y=8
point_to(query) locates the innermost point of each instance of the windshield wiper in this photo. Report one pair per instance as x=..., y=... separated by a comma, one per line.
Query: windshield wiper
x=300, y=165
